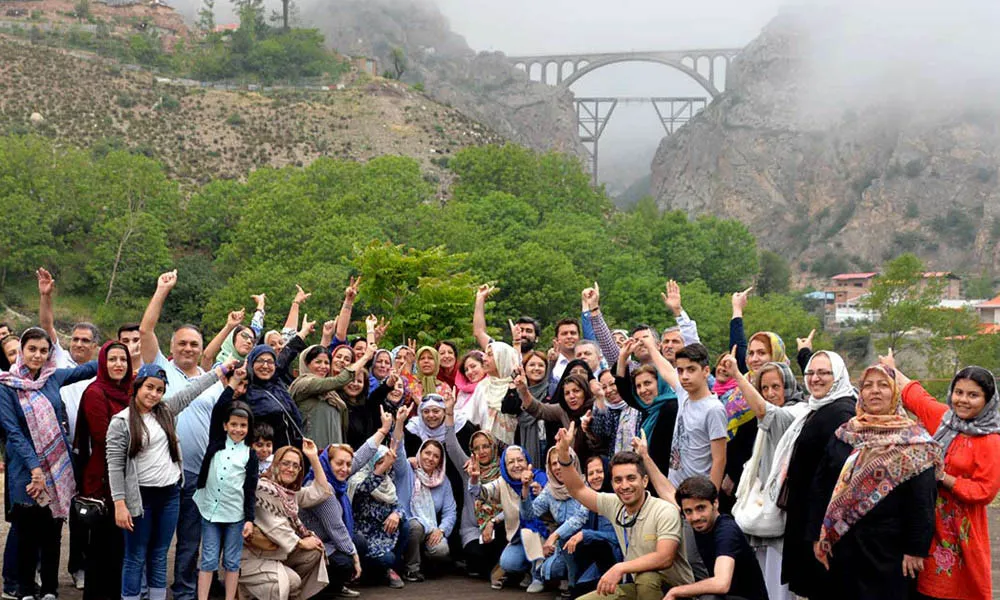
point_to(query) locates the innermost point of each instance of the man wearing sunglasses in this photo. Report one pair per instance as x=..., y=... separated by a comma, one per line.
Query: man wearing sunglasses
x=648, y=529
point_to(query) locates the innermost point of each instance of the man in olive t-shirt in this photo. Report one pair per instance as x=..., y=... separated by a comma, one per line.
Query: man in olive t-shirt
x=648, y=529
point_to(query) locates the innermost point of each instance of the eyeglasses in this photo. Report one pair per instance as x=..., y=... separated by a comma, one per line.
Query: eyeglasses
x=246, y=335
x=291, y=466
x=264, y=362
x=821, y=373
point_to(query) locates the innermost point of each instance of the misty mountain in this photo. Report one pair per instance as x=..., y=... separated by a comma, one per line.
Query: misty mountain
x=482, y=86
x=853, y=139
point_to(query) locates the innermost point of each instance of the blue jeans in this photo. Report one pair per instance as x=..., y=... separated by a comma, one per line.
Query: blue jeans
x=514, y=560
x=226, y=538
x=147, y=544
x=188, y=538
x=10, y=560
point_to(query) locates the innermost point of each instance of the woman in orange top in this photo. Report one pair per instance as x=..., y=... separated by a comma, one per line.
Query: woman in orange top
x=958, y=566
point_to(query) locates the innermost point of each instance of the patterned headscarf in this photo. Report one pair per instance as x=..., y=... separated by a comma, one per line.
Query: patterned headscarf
x=385, y=492
x=422, y=503
x=737, y=409
x=488, y=471
x=888, y=450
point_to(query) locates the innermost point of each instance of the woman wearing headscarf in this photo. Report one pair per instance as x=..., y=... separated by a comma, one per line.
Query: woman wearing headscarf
x=470, y=374
x=379, y=492
x=485, y=406
x=517, y=479
x=381, y=368
x=482, y=543
x=106, y=396
x=315, y=392
x=333, y=519
x=145, y=472
x=573, y=399
x=776, y=401
x=448, y=353
x=568, y=515
x=530, y=430
x=287, y=560
x=968, y=428
x=269, y=398
x=594, y=549
x=656, y=402
x=39, y=474
x=428, y=367
x=432, y=508
x=831, y=403
x=233, y=341
x=874, y=531
x=613, y=422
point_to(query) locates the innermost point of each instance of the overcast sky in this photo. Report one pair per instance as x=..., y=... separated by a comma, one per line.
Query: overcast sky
x=537, y=26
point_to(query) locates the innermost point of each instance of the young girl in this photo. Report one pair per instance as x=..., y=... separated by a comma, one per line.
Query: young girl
x=227, y=486
x=144, y=472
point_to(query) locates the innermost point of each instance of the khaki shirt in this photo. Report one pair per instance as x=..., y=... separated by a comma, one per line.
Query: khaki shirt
x=657, y=520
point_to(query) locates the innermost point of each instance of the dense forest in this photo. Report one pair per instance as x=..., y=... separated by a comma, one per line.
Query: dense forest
x=107, y=222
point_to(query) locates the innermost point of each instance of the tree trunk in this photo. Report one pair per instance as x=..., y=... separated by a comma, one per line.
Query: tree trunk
x=284, y=12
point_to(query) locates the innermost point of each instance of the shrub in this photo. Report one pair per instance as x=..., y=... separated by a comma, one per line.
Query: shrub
x=235, y=119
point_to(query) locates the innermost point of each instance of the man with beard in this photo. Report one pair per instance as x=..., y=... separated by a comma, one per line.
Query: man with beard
x=648, y=529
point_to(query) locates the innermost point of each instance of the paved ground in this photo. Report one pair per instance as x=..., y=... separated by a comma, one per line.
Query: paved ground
x=456, y=586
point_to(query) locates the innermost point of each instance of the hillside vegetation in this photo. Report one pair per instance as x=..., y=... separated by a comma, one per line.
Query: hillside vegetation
x=203, y=134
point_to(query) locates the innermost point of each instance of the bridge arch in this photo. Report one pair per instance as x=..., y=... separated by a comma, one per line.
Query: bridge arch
x=707, y=83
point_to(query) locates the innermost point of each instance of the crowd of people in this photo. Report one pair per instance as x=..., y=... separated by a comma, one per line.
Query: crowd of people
x=631, y=464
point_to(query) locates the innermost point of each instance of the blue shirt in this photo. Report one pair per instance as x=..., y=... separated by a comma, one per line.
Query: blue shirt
x=221, y=500
x=193, y=421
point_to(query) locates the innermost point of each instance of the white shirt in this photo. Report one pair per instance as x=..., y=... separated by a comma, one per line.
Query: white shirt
x=153, y=464
x=70, y=394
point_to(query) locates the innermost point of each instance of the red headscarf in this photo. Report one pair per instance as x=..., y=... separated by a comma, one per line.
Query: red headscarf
x=116, y=391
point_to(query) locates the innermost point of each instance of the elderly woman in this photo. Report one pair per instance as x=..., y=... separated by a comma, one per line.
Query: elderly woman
x=517, y=479
x=39, y=472
x=315, y=392
x=968, y=428
x=380, y=495
x=480, y=542
x=832, y=401
x=875, y=530
x=776, y=401
x=283, y=560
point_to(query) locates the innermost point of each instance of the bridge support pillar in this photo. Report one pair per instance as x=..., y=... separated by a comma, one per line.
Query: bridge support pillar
x=592, y=115
x=674, y=113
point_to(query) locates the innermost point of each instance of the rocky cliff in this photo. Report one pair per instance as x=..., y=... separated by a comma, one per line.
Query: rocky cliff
x=482, y=86
x=856, y=168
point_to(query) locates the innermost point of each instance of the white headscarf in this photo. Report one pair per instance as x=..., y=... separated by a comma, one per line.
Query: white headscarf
x=418, y=427
x=491, y=390
x=841, y=387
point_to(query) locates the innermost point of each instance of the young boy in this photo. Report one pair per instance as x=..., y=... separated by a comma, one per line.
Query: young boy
x=225, y=498
x=733, y=570
x=263, y=446
x=699, y=446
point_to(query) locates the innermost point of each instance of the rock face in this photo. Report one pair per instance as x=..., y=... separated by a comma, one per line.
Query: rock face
x=482, y=86
x=862, y=177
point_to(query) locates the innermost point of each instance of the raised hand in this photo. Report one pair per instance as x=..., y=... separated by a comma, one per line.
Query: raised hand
x=889, y=360
x=386, y=418
x=46, y=284
x=309, y=449
x=484, y=291
x=639, y=444
x=521, y=381
x=238, y=376
x=329, y=327
x=412, y=345
x=566, y=437
x=371, y=321
x=592, y=297
x=402, y=414
x=307, y=327
x=528, y=475
x=380, y=329
x=167, y=281
x=235, y=318
x=728, y=364
x=472, y=468
x=300, y=295
x=628, y=347
x=515, y=333
x=585, y=421
x=449, y=400
x=672, y=297
x=259, y=299
x=740, y=301
x=351, y=291
x=806, y=342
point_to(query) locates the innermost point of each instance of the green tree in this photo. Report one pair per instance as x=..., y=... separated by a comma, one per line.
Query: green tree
x=132, y=252
x=980, y=286
x=399, y=63
x=775, y=275
x=901, y=299
x=206, y=16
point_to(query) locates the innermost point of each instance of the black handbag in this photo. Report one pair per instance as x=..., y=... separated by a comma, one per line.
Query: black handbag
x=89, y=511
